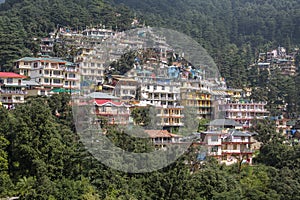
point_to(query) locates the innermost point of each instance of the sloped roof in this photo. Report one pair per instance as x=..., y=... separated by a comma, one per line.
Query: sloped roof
x=239, y=133
x=104, y=102
x=160, y=133
x=10, y=75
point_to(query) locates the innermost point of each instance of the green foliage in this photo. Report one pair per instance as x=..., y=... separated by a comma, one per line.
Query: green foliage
x=22, y=21
x=141, y=115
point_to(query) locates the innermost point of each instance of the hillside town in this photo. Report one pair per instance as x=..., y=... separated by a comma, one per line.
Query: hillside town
x=158, y=79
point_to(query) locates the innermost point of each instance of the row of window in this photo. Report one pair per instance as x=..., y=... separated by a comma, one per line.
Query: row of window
x=99, y=65
x=92, y=71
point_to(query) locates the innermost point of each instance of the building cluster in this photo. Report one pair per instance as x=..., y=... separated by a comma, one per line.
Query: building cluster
x=278, y=59
x=176, y=91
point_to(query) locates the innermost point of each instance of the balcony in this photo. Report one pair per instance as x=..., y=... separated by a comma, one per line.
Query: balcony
x=10, y=92
x=12, y=101
x=53, y=76
x=238, y=151
x=71, y=78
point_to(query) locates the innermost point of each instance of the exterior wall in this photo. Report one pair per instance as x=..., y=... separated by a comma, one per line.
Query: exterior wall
x=50, y=72
x=114, y=114
x=171, y=116
x=12, y=91
x=92, y=70
x=198, y=99
x=244, y=113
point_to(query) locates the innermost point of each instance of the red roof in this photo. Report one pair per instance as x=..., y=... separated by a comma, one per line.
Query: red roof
x=103, y=102
x=10, y=75
x=158, y=133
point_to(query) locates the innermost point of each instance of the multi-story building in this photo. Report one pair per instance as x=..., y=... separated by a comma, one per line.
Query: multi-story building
x=198, y=99
x=227, y=144
x=50, y=73
x=244, y=111
x=47, y=45
x=13, y=90
x=236, y=146
x=164, y=95
x=126, y=88
x=110, y=109
x=278, y=59
x=162, y=138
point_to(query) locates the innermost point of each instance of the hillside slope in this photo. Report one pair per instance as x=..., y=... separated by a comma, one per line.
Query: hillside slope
x=21, y=21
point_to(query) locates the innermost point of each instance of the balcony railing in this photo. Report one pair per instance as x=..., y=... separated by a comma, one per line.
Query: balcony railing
x=13, y=92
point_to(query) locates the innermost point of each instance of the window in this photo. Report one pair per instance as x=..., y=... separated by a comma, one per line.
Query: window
x=9, y=80
x=57, y=73
x=72, y=76
x=155, y=87
x=148, y=87
x=234, y=146
x=99, y=71
x=25, y=63
x=46, y=80
x=66, y=83
x=56, y=81
x=92, y=71
x=73, y=83
x=162, y=87
x=99, y=65
x=214, y=138
x=214, y=149
x=92, y=64
x=84, y=71
x=46, y=72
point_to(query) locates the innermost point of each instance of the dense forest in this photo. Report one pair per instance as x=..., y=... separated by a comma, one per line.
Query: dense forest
x=41, y=156
x=234, y=32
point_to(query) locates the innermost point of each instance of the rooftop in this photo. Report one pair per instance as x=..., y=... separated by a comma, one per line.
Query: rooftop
x=223, y=122
x=10, y=75
x=101, y=95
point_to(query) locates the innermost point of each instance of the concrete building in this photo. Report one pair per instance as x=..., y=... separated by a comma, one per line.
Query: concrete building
x=13, y=89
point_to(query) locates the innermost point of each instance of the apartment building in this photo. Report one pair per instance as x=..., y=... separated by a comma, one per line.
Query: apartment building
x=245, y=111
x=50, y=72
x=227, y=144
x=198, y=99
x=13, y=89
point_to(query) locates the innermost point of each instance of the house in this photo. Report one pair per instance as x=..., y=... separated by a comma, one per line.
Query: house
x=13, y=89
x=161, y=138
x=229, y=146
x=108, y=108
x=236, y=146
